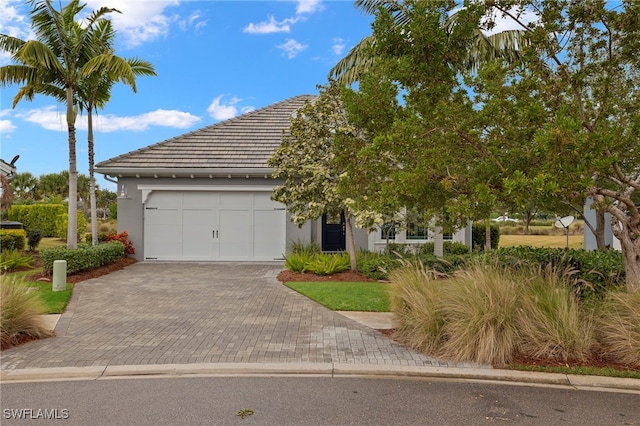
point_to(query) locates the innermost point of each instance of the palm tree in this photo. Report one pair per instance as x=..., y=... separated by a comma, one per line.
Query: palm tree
x=24, y=185
x=95, y=92
x=52, y=64
x=505, y=44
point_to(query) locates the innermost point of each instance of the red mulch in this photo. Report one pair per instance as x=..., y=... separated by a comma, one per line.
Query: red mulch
x=288, y=276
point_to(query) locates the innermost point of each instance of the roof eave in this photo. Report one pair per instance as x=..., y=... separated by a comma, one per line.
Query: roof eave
x=157, y=172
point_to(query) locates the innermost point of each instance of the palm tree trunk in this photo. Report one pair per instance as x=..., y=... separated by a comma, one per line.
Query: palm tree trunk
x=92, y=179
x=72, y=224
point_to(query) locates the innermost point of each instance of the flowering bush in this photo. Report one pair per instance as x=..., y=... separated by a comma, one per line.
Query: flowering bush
x=123, y=238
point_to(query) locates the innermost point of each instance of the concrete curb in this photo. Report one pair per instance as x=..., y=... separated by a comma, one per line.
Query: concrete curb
x=320, y=370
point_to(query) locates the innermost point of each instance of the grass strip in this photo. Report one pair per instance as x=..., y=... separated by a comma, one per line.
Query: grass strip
x=578, y=370
x=346, y=296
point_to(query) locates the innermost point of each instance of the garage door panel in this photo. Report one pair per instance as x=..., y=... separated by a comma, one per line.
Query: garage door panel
x=268, y=234
x=198, y=234
x=162, y=233
x=200, y=200
x=235, y=234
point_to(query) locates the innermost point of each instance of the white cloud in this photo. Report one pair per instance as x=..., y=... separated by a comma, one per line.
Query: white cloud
x=270, y=26
x=338, y=46
x=308, y=6
x=52, y=118
x=193, y=21
x=504, y=23
x=14, y=21
x=291, y=48
x=6, y=126
x=219, y=111
x=140, y=21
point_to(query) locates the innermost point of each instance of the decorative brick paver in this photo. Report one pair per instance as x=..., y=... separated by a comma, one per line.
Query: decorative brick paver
x=184, y=313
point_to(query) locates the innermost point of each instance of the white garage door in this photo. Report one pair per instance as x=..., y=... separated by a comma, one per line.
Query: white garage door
x=194, y=225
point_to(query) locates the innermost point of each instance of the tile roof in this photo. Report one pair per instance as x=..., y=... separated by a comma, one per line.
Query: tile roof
x=243, y=142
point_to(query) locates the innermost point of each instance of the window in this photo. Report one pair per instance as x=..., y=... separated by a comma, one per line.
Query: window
x=417, y=232
x=388, y=231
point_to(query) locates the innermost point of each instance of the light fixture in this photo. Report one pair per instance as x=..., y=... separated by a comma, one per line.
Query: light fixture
x=123, y=193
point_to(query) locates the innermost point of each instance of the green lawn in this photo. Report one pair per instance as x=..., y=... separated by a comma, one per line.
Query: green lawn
x=54, y=302
x=346, y=296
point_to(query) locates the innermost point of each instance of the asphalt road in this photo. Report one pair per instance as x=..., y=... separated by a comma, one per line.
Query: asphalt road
x=309, y=401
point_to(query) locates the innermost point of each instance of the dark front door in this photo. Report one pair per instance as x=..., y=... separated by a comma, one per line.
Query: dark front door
x=333, y=232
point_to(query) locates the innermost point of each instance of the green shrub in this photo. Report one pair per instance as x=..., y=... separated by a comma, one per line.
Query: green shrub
x=478, y=236
x=12, y=239
x=376, y=266
x=61, y=226
x=297, y=262
x=34, y=236
x=83, y=258
x=551, y=323
x=298, y=247
x=38, y=216
x=10, y=260
x=618, y=327
x=20, y=311
x=448, y=247
x=592, y=272
x=328, y=264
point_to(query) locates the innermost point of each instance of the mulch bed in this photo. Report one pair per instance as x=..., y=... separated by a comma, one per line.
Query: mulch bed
x=350, y=276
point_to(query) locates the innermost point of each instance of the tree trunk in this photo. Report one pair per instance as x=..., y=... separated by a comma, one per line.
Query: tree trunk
x=92, y=179
x=72, y=223
x=599, y=231
x=351, y=246
x=629, y=236
x=438, y=241
x=528, y=217
x=487, y=235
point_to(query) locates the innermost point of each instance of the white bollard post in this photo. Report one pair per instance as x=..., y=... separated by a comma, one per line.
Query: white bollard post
x=59, y=275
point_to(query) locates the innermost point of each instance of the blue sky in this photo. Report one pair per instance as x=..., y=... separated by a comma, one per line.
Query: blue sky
x=214, y=59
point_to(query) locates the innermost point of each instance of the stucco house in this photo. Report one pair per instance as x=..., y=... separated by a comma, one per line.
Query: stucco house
x=206, y=195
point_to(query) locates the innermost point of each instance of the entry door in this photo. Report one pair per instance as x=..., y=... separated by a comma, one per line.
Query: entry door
x=333, y=232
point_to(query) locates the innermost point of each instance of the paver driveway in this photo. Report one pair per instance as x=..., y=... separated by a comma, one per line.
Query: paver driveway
x=183, y=313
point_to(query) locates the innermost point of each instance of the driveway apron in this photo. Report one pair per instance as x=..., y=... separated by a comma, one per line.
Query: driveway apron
x=184, y=313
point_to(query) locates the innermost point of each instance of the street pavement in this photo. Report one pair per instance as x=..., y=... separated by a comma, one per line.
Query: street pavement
x=171, y=318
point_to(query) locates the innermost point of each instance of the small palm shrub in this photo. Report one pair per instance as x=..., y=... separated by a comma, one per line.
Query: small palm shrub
x=298, y=247
x=329, y=264
x=10, y=260
x=480, y=312
x=20, y=311
x=618, y=327
x=297, y=262
x=551, y=322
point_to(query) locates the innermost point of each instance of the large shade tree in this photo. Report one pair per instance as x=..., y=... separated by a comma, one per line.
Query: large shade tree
x=57, y=60
x=583, y=67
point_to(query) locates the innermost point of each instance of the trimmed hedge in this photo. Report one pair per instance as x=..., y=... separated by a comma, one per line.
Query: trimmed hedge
x=83, y=258
x=38, y=216
x=591, y=272
x=478, y=236
x=62, y=223
x=12, y=239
